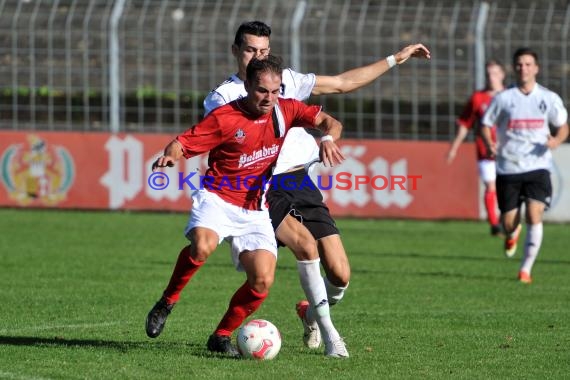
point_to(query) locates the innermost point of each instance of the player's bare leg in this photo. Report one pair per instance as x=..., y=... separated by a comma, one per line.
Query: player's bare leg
x=336, y=266
x=512, y=226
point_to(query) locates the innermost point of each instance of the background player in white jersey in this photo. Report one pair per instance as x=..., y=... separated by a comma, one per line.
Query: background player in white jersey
x=522, y=115
x=229, y=209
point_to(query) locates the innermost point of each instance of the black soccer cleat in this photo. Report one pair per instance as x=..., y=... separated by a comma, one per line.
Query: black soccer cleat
x=156, y=318
x=223, y=345
x=496, y=230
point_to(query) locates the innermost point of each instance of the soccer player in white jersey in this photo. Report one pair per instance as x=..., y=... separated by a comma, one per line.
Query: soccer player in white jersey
x=252, y=41
x=522, y=115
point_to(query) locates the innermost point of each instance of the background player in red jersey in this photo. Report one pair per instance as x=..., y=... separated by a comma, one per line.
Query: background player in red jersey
x=243, y=138
x=471, y=119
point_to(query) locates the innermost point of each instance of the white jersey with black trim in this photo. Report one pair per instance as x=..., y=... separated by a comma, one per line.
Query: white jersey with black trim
x=522, y=122
x=299, y=147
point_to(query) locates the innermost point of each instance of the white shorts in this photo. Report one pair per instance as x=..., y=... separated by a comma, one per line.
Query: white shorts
x=245, y=230
x=487, y=170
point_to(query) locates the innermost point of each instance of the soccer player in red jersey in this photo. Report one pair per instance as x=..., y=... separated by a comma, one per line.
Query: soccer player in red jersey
x=243, y=138
x=471, y=119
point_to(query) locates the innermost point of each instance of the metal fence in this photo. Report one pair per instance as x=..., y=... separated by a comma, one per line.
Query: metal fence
x=145, y=65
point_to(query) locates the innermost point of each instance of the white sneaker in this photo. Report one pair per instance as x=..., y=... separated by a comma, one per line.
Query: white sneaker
x=336, y=349
x=312, y=333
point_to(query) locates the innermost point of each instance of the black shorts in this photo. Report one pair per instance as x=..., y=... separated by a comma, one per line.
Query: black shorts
x=514, y=189
x=293, y=193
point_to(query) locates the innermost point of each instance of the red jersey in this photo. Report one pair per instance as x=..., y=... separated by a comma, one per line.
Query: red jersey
x=471, y=118
x=243, y=148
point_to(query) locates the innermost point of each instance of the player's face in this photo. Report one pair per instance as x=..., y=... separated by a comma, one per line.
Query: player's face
x=251, y=47
x=263, y=93
x=526, y=69
x=495, y=76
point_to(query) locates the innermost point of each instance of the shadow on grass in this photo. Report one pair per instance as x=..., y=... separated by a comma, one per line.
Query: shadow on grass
x=195, y=348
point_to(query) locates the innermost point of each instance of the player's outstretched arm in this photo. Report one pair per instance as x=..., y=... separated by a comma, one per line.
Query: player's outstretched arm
x=361, y=76
x=172, y=153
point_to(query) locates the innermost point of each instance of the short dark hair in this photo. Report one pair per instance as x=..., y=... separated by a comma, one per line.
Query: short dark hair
x=524, y=51
x=256, y=28
x=494, y=62
x=255, y=67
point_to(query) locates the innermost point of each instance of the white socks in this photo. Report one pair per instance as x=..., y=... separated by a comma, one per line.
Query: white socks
x=531, y=246
x=316, y=293
x=334, y=293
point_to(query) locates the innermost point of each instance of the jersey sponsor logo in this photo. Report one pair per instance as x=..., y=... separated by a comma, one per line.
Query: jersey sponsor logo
x=256, y=156
x=239, y=136
x=526, y=124
x=542, y=106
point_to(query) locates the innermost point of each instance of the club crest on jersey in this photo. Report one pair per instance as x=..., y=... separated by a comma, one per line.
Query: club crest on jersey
x=542, y=106
x=240, y=136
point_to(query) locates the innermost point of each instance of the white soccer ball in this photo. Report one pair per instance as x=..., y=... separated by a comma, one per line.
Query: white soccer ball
x=259, y=339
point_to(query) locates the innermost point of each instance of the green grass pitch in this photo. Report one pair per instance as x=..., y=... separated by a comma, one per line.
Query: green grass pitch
x=426, y=300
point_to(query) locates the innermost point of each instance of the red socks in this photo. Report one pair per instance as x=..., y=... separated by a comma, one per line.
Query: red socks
x=491, y=207
x=183, y=272
x=244, y=302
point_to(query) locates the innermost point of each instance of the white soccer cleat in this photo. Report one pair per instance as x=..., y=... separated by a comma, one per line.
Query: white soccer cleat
x=312, y=333
x=336, y=349
x=511, y=242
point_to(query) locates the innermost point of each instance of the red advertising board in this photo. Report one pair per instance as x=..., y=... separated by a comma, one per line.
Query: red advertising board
x=105, y=171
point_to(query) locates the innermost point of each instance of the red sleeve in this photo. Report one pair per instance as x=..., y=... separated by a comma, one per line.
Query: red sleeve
x=469, y=114
x=298, y=113
x=201, y=138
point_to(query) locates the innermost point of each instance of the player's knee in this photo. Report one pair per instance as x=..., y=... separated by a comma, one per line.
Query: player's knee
x=201, y=251
x=261, y=283
x=340, y=278
x=344, y=278
x=337, y=271
x=306, y=249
